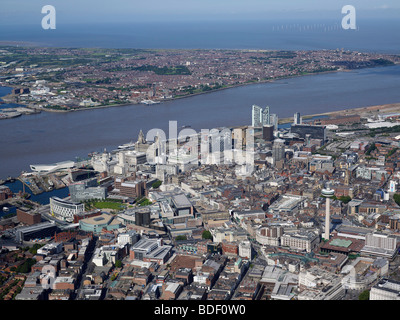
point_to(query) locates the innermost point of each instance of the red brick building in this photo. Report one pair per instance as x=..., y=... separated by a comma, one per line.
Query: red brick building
x=27, y=216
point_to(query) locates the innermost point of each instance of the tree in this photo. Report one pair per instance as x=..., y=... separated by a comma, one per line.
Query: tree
x=206, y=235
x=118, y=264
x=396, y=198
x=26, y=266
x=156, y=184
x=181, y=237
x=345, y=199
x=364, y=295
x=34, y=248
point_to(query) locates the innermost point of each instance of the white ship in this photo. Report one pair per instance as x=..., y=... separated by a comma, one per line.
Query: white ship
x=52, y=167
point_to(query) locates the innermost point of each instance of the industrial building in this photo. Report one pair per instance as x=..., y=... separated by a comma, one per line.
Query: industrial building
x=37, y=231
x=315, y=132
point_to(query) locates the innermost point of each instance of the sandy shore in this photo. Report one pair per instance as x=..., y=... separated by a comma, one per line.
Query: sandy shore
x=362, y=111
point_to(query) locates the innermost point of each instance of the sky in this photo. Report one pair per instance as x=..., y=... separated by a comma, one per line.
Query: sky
x=19, y=12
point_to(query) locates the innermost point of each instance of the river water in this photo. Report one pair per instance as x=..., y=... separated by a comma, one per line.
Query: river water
x=51, y=137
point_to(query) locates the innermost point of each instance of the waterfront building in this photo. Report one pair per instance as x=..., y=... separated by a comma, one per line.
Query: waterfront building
x=297, y=118
x=266, y=120
x=260, y=116
x=64, y=209
x=315, y=132
x=5, y=193
x=64, y=165
x=86, y=190
x=274, y=120
x=28, y=216
x=256, y=116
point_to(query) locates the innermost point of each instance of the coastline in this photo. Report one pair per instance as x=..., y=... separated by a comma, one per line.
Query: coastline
x=382, y=108
x=206, y=92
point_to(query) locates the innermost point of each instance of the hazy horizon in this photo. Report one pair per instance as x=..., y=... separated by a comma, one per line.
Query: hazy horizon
x=100, y=11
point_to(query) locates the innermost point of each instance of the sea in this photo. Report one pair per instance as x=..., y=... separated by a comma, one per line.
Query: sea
x=377, y=35
x=51, y=137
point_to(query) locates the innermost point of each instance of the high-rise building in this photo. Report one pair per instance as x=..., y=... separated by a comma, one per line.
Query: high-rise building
x=328, y=193
x=260, y=116
x=274, y=120
x=256, y=116
x=297, y=118
x=142, y=218
x=266, y=116
x=268, y=132
x=278, y=150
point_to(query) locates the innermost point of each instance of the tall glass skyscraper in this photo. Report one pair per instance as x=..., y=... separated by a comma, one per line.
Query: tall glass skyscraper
x=256, y=116
x=260, y=117
x=266, y=117
x=297, y=118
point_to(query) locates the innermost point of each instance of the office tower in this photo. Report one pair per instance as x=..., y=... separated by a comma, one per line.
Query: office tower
x=266, y=116
x=142, y=218
x=256, y=116
x=297, y=118
x=328, y=193
x=268, y=132
x=278, y=151
x=260, y=116
x=274, y=120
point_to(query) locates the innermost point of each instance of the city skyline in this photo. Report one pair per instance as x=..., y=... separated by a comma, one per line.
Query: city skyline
x=224, y=150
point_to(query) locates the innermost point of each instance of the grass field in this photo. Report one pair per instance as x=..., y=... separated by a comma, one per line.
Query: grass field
x=108, y=205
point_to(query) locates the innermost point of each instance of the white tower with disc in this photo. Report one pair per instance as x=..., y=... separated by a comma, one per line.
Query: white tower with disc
x=328, y=193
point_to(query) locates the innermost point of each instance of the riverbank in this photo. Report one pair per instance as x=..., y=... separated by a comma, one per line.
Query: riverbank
x=202, y=93
x=131, y=103
x=219, y=89
x=362, y=111
x=54, y=137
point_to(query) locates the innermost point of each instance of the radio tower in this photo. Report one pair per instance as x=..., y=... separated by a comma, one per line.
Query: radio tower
x=328, y=193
